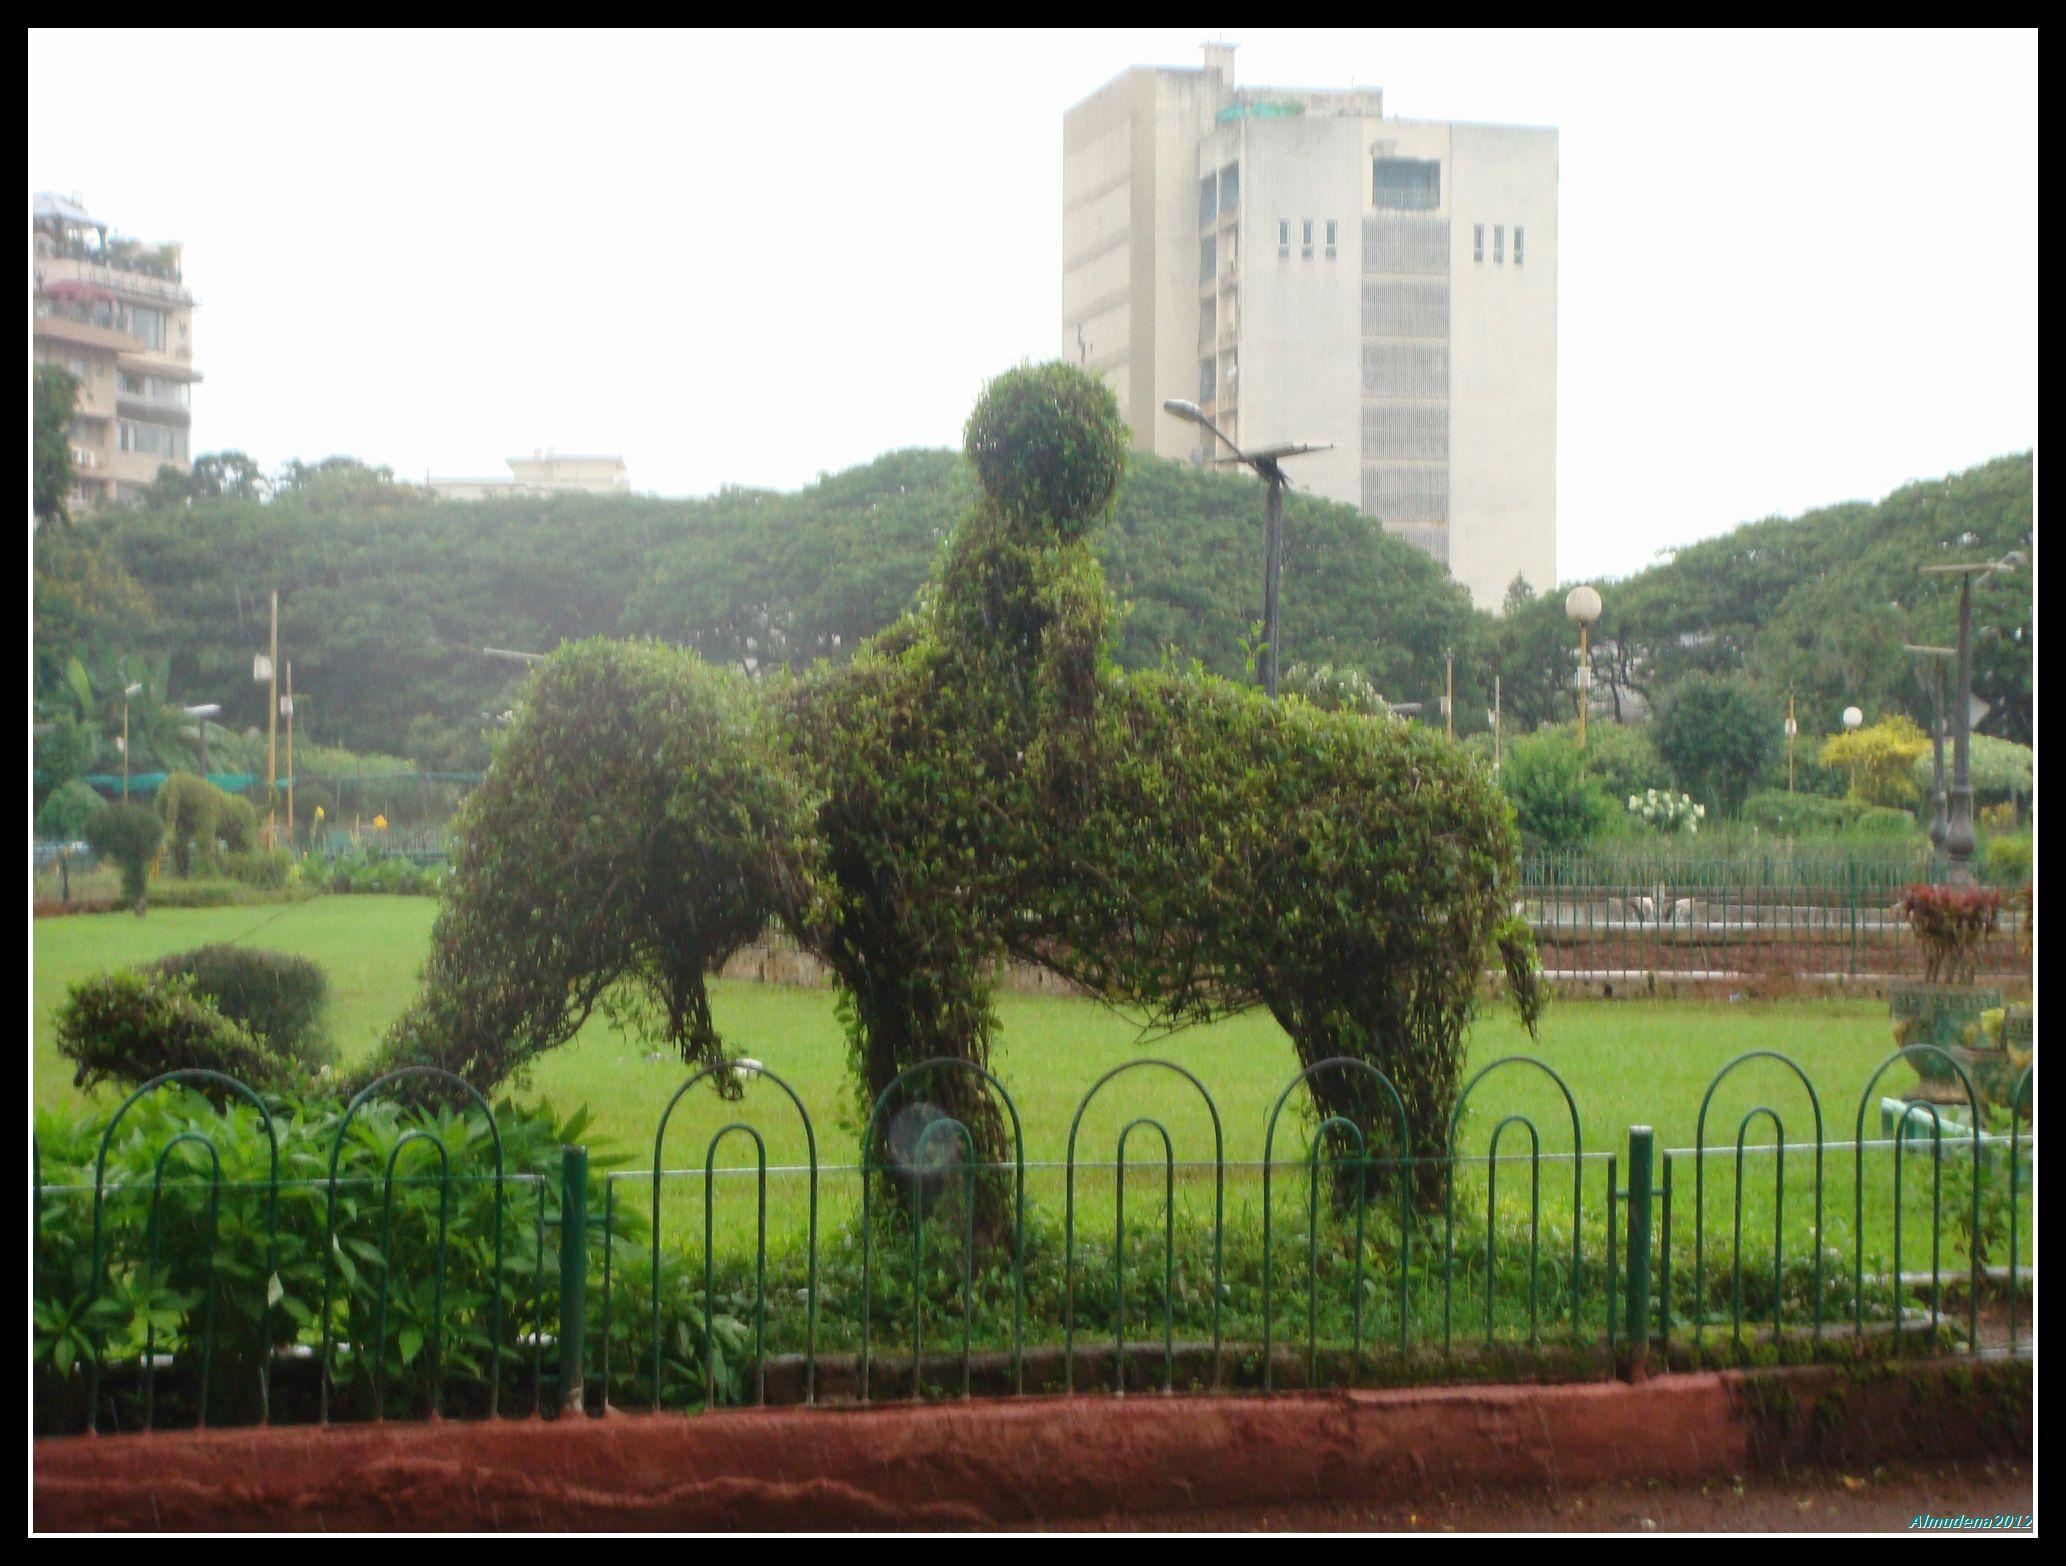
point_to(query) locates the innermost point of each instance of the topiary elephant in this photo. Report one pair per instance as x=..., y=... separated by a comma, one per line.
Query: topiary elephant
x=980, y=782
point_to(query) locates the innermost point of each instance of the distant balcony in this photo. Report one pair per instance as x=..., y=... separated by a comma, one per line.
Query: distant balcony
x=132, y=281
x=156, y=410
x=75, y=325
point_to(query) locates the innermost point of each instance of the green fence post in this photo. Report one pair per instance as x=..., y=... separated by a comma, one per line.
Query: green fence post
x=573, y=1274
x=1640, y=1142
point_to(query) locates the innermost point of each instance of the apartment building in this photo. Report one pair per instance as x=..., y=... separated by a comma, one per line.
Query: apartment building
x=1306, y=269
x=116, y=313
x=542, y=473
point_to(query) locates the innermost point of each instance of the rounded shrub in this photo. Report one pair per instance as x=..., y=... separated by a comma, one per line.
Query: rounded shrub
x=236, y=823
x=1049, y=447
x=268, y=869
x=276, y=995
x=127, y=837
x=1882, y=821
x=1798, y=815
x=1556, y=803
x=65, y=813
x=2007, y=857
x=127, y=1028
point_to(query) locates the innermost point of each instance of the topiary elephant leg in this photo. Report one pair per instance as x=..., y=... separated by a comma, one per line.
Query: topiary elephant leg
x=919, y=1015
x=1426, y=1081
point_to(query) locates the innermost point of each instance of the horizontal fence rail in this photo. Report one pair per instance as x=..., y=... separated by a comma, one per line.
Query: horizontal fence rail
x=408, y=1268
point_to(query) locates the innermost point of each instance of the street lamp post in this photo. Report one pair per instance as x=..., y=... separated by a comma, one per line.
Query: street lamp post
x=127, y=692
x=1582, y=604
x=1495, y=725
x=1854, y=720
x=201, y=714
x=1792, y=729
x=265, y=671
x=1958, y=831
x=1267, y=465
x=1934, y=659
x=287, y=707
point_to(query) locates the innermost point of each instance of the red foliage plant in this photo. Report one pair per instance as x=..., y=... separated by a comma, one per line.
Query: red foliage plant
x=1952, y=923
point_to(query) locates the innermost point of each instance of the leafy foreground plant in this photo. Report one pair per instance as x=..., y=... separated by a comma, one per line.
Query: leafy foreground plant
x=226, y=1284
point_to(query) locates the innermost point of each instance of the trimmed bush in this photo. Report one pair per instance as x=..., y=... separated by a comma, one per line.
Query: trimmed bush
x=65, y=813
x=236, y=823
x=393, y=876
x=275, y=995
x=1049, y=447
x=127, y=837
x=1556, y=805
x=2007, y=857
x=127, y=1028
x=1716, y=733
x=189, y=806
x=1798, y=815
x=1882, y=821
x=269, y=869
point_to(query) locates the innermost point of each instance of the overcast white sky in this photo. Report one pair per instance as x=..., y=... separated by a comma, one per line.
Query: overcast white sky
x=1796, y=268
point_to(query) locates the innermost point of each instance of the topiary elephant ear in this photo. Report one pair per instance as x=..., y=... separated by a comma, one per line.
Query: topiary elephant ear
x=1049, y=448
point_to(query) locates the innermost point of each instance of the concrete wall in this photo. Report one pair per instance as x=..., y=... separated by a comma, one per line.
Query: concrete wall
x=1300, y=372
x=1503, y=361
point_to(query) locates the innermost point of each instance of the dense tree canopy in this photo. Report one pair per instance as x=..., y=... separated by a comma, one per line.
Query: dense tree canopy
x=56, y=395
x=388, y=596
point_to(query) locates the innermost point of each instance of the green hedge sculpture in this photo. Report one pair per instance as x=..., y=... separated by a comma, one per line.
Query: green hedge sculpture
x=981, y=783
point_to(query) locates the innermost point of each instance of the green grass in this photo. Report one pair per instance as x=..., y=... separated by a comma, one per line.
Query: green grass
x=1626, y=1062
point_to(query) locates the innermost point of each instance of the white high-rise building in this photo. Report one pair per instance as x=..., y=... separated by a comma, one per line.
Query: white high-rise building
x=1306, y=269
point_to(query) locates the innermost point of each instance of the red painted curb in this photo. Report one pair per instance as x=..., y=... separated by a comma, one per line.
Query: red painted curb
x=970, y=1465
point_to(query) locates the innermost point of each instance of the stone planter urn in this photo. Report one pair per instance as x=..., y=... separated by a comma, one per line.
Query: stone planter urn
x=1950, y=1017
x=1951, y=1010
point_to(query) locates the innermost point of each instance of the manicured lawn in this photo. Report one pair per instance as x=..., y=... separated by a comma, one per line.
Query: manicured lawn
x=1625, y=1061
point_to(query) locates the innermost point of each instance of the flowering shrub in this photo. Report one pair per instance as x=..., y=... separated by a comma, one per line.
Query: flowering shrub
x=1666, y=811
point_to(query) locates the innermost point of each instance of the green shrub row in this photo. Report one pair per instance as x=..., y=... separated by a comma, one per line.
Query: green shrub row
x=390, y=874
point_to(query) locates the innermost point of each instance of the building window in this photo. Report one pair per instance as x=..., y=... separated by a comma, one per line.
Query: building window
x=1305, y=243
x=152, y=440
x=1208, y=259
x=1517, y=246
x=1406, y=184
x=147, y=324
x=1284, y=236
x=1333, y=231
x=1477, y=241
x=1208, y=321
x=1206, y=388
x=1208, y=201
x=1230, y=187
x=1498, y=243
x=151, y=387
